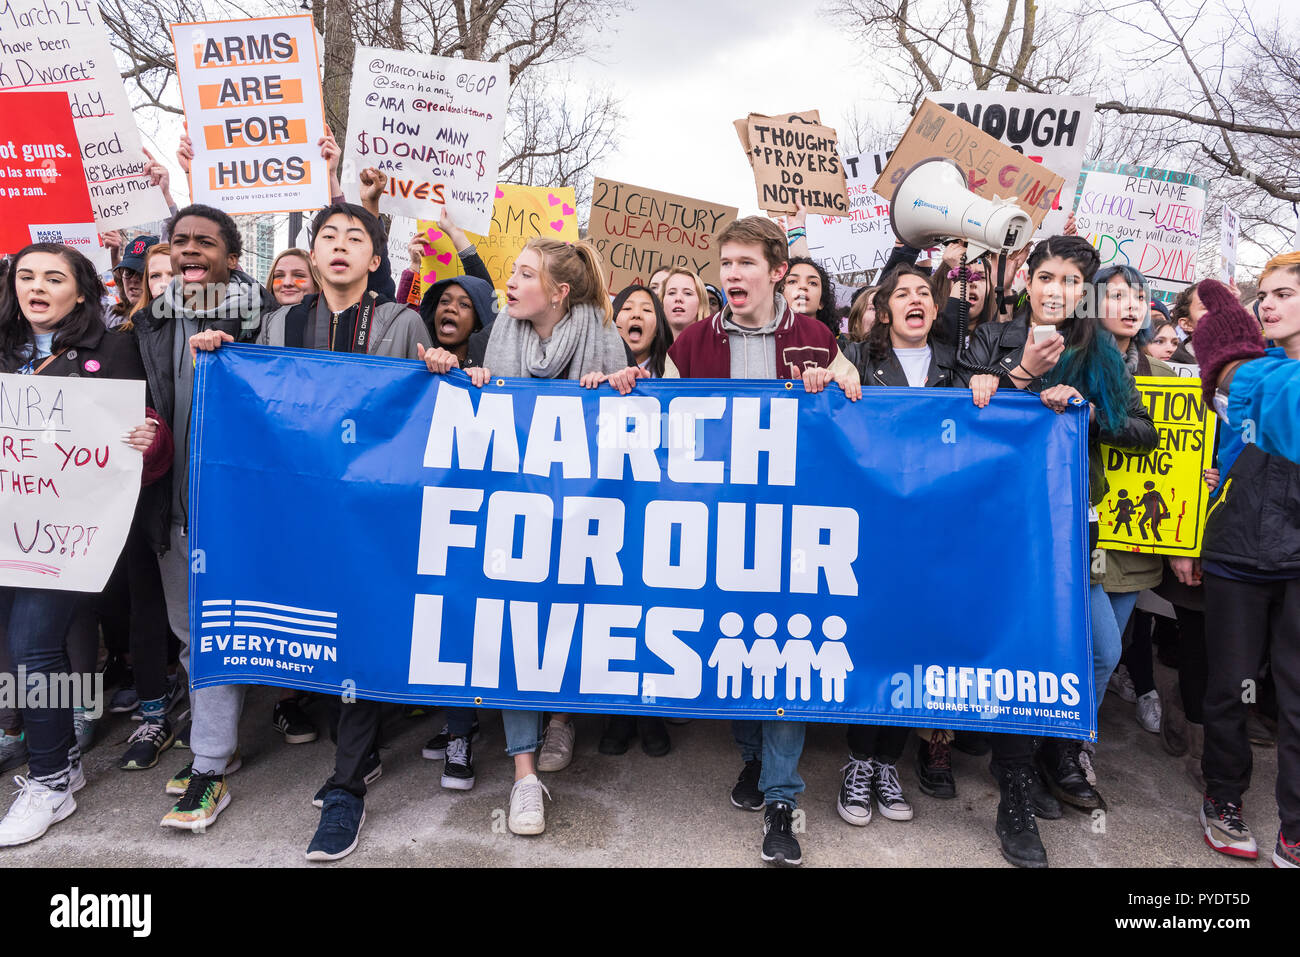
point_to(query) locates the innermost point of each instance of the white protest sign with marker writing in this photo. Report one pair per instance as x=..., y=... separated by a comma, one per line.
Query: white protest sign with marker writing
x=1049, y=129
x=68, y=483
x=252, y=96
x=64, y=46
x=1144, y=217
x=1229, y=227
x=434, y=126
x=863, y=239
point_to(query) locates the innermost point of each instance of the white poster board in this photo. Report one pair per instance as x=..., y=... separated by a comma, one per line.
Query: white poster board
x=64, y=46
x=252, y=97
x=68, y=483
x=1229, y=229
x=1049, y=129
x=434, y=125
x=1144, y=217
x=863, y=239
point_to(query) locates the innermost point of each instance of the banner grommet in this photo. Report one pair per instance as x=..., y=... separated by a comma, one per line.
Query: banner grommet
x=478, y=701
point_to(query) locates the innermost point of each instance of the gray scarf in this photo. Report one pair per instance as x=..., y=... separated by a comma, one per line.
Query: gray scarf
x=581, y=342
x=241, y=299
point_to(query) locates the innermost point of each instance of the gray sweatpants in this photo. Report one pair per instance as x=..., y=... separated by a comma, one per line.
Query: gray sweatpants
x=214, y=731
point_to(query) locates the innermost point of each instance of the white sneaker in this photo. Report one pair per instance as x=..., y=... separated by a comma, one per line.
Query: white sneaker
x=1148, y=711
x=527, y=809
x=36, y=808
x=557, y=746
x=76, y=777
x=1122, y=684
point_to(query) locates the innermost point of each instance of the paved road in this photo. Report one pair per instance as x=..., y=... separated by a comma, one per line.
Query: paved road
x=630, y=810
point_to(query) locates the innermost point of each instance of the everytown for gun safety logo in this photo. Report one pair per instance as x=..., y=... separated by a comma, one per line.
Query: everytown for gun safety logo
x=1157, y=500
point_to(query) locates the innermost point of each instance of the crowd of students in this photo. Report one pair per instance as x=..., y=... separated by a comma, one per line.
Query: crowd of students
x=1077, y=332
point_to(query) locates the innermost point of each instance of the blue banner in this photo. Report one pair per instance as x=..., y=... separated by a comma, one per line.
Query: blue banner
x=704, y=548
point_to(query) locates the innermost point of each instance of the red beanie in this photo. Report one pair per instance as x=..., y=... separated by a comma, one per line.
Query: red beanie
x=1225, y=333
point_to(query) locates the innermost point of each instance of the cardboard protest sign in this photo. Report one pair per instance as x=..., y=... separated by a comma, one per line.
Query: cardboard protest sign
x=42, y=181
x=1229, y=228
x=993, y=170
x=1157, y=500
x=638, y=230
x=1049, y=129
x=1146, y=218
x=795, y=162
x=64, y=47
x=252, y=96
x=434, y=125
x=863, y=239
x=520, y=213
x=68, y=484
x=742, y=127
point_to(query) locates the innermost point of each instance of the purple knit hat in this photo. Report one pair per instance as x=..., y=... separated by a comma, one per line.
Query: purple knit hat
x=1226, y=332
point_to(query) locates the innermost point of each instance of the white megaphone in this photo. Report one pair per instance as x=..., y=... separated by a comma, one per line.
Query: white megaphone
x=932, y=203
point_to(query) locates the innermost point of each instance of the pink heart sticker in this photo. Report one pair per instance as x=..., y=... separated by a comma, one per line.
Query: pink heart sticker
x=558, y=225
x=434, y=235
x=553, y=199
x=428, y=250
x=432, y=276
x=500, y=195
x=568, y=210
x=445, y=259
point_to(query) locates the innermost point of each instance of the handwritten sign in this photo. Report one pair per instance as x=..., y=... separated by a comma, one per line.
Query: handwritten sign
x=1146, y=218
x=42, y=181
x=639, y=230
x=795, y=162
x=1229, y=229
x=1047, y=128
x=68, y=484
x=993, y=170
x=434, y=125
x=252, y=96
x=63, y=46
x=863, y=239
x=1157, y=500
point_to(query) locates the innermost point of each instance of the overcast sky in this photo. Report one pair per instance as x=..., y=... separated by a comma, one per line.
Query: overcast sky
x=686, y=69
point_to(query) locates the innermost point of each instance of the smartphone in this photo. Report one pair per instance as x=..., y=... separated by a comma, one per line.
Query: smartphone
x=1043, y=333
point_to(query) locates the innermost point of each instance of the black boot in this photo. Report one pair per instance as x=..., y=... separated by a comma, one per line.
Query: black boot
x=1016, y=827
x=1058, y=761
x=1046, y=807
x=934, y=768
x=618, y=732
x=654, y=736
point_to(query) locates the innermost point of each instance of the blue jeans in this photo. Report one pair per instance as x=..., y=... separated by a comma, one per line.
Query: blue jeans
x=523, y=731
x=778, y=744
x=1106, y=645
x=37, y=621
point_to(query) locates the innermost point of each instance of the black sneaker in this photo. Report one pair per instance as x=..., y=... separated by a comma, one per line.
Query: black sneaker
x=148, y=741
x=1016, y=827
x=435, y=749
x=458, y=772
x=854, y=801
x=291, y=721
x=117, y=672
x=619, y=729
x=654, y=736
x=341, y=817
x=1058, y=762
x=779, y=845
x=746, y=795
x=934, y=769
x=371, y=772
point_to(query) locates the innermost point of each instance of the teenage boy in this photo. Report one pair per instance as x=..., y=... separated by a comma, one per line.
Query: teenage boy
x=1250, y=554
x=757, y=336
x=346, y=316
x=208, y=292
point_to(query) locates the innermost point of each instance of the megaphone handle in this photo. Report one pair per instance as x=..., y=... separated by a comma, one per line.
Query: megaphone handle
x=1002, y=271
